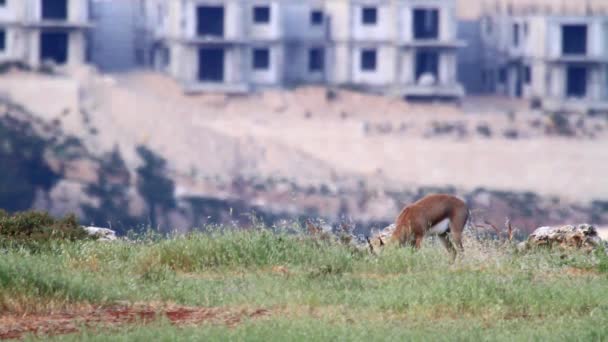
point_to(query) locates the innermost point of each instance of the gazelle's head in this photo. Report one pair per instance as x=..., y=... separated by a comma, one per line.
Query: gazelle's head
x=375, y=243
x=379, y=239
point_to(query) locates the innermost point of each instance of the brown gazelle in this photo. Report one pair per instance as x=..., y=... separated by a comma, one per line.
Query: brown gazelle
x=437, y=214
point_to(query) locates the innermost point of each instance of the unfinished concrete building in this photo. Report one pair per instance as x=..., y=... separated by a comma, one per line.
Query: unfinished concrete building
x=37, y=31
x=556, y=57
x=211, y=45
x=403, y=47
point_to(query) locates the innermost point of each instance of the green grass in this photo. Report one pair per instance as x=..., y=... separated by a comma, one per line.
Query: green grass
x=322, y=291
x=575, y=329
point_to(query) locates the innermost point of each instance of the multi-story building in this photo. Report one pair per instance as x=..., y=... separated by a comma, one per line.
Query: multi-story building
x=554, y=56
x=210, y=45
x=35, y=31
x=407, y=47
x=403, y=47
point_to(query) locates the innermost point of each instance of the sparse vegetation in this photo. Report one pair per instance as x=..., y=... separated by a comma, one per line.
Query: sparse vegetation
x=111, y=189
x=24, y=168
x=154, y=185
x=560, y=125
x=33, y=229
x=484, y=130
x=310, y=289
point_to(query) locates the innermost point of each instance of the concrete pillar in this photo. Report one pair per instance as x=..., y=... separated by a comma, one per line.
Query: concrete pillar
x=76, y=48
x=444, y=69
x=446, y=31
x=604, y=84
x=33, y=56
x=558, y=81
x=594, y=92
x=595, y=38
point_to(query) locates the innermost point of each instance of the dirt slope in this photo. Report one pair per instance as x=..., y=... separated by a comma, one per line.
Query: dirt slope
x=309, y=138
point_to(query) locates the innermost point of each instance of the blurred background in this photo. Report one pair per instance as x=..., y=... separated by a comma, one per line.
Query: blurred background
x=180, y=114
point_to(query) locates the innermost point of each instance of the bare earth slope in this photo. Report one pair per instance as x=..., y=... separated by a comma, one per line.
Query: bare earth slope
x=334, y=133
x=310, y=138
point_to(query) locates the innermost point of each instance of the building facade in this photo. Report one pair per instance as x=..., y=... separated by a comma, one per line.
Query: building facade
x=36, y=31
x=406, y=47
x=555, y=58
x=213, y=46
x=402, y=47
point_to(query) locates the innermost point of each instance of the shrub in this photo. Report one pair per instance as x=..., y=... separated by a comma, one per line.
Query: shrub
x=35, y=228
x=561, y=124
x=484, y=130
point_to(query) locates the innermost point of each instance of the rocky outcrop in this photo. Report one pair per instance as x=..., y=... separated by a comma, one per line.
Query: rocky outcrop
x=582, y=236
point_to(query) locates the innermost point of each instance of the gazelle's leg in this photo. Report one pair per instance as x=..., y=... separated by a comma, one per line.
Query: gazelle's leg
x=457, y=239
x=457, y=223
x=447, y=244
x=405, y=237
x=418, y=242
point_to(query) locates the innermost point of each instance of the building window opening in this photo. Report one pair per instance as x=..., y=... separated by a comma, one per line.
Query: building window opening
x=316, y=17
x=368, y=60
x=261, y=14
x=210, y=21
x=2, y=40
x=528, y=74
x=426, y=24
x=211, y=65
x=54, y=47
x=261, y=59
x=574, y=39
x=577, y=82
x=369, y=15
x=427, y=65
x=516, y=35
x=502, y=75
x=54, y=9
x=316, y=60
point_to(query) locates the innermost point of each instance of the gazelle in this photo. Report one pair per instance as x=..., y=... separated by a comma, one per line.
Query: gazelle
x=437, y=214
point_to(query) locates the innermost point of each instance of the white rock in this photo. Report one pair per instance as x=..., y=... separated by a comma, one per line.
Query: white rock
x=102, y=234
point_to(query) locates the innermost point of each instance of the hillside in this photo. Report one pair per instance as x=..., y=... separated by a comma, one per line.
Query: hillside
x=332, y=154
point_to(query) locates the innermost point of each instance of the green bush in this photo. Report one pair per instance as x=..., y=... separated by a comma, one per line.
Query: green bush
x=35, y=228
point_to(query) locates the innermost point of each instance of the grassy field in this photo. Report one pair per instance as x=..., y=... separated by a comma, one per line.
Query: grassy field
x=258, y=285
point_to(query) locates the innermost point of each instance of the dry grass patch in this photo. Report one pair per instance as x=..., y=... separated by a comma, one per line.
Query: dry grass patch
x=74, y=319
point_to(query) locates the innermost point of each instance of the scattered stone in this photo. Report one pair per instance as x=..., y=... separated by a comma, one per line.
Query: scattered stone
x=102, y=234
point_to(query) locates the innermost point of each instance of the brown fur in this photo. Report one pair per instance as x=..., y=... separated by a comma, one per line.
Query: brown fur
x=416, y=219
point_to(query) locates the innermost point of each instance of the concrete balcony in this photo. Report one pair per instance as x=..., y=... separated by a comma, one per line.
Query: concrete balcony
x=433, y=43
x=579, y=59
x=216, y=88
x=455, y=91
x=575, y=105
x=209, y=40
x=61, y=24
